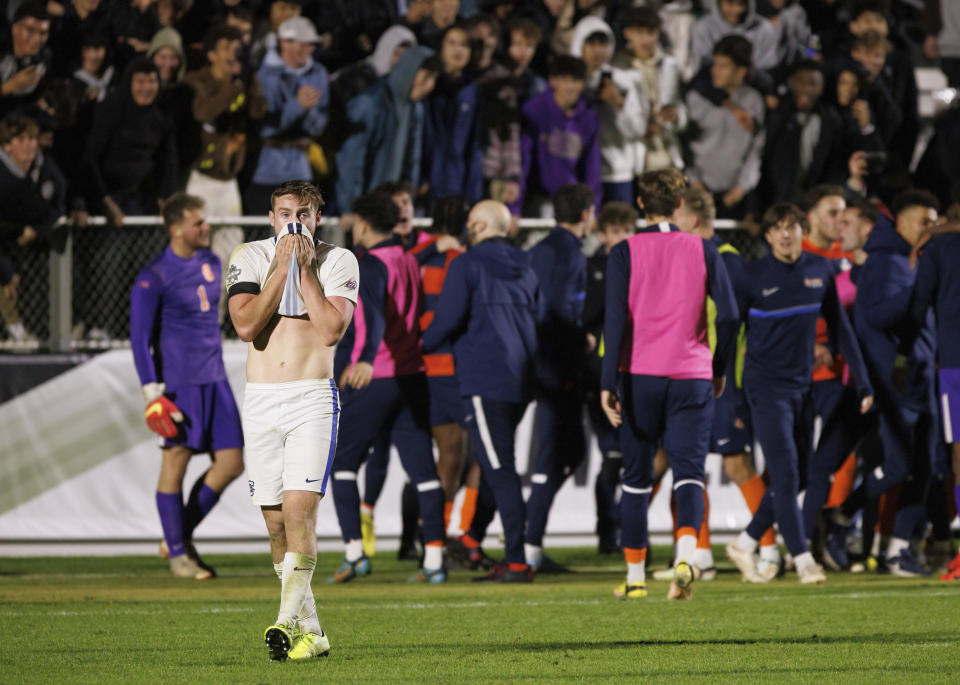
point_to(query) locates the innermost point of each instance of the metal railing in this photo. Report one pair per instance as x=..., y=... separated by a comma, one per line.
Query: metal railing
x=78, y=298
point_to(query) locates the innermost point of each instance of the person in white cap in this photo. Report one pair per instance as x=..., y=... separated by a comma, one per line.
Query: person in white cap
x=296, y=88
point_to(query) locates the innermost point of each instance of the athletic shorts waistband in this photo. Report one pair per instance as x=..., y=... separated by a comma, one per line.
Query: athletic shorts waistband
x=293, y=385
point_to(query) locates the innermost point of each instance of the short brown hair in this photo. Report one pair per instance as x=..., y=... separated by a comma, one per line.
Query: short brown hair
x=817, y=193
x=304, y=191
x=871, y=40
x=395, y=188
x=527, y=28
x=177, y=204
x=617, y=214
x=783, y=212
x=17, y=125
x=659, y=191
x=699, y=202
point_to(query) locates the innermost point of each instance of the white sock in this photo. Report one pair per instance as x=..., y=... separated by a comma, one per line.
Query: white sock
x=804, y=561
x=636, y=573
x=895, y=546
x=686, y=546
x=875, y=546
x=746, y=543
x=307, y=616
x=770, y=553
x=703, y=558
x=433, y=557
x=16, y=330
x=297, y=574
x=533, y=553
x=354, y=550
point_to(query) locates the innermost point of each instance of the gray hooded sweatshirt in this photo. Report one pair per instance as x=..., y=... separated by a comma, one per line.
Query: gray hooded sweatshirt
x=759, y=31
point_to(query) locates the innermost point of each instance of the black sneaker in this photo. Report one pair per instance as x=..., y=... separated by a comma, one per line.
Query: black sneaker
x=501, y=573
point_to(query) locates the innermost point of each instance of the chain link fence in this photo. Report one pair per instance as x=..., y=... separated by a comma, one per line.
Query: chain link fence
x=80, y=299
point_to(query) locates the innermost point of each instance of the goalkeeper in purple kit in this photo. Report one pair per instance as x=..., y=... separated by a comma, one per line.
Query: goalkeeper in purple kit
x=175, y=336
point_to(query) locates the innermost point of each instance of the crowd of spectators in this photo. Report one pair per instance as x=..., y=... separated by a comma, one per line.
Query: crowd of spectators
x=108, y=105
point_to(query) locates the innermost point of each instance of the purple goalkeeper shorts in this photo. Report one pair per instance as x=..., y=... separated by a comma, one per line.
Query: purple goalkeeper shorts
x=211, y=420
x=950, y=404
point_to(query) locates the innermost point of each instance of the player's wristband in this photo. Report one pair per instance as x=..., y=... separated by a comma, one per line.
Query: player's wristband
x=152, y=391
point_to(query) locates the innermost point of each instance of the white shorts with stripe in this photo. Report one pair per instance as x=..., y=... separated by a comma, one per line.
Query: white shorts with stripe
x=290, y=431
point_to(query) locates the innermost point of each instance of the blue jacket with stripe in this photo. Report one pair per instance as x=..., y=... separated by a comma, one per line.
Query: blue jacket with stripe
x=489, y=308
x=938, y=285
x=780, y=303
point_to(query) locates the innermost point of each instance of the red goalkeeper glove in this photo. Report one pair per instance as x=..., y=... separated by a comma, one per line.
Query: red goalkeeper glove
x=163, y=417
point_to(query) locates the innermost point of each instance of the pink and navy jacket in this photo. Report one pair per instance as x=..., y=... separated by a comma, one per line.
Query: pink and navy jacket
x=656, y=307
x=387, y=318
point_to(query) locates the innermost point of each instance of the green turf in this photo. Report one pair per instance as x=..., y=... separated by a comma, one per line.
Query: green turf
x=100, y=620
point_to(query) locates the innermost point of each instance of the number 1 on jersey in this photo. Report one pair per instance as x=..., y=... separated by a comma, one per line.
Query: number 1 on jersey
x=202, y=294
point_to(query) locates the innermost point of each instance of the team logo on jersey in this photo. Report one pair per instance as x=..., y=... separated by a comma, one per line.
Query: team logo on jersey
x=233, y=275
x=350, y=285
x=813, y=282
x=144, y=284
x=207, y=272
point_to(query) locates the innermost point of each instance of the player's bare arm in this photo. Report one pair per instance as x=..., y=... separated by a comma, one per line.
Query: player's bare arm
x=329, y=316
x=251, y=313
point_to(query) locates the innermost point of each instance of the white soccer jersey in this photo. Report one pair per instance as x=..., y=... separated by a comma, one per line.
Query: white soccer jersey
x=251, y=264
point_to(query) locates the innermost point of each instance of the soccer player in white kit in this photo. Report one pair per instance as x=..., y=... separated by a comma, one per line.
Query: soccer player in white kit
x=292, y=298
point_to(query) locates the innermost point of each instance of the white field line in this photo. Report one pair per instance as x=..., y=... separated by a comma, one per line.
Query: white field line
x=422, y=606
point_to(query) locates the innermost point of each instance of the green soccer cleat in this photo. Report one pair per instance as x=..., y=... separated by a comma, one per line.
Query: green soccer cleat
x=280, y=639
x=631, y=591
x=309, y=646
x=351, y=569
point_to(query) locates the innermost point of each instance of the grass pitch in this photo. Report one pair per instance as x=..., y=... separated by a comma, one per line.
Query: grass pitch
x=124, y=619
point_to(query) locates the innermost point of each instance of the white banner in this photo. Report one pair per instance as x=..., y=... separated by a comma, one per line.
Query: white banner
x=78, y=463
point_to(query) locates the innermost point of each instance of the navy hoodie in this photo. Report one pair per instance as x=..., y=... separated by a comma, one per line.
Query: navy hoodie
x=938, y=284
x=489, y=308
x=561, y=268
x=881, y=318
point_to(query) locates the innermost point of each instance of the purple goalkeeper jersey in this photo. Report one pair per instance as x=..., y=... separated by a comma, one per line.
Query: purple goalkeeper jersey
x=174, y=320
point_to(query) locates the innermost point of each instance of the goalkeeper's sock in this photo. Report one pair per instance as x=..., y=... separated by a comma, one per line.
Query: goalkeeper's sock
x=201, y=500
x=295, y=582
x=170, y=508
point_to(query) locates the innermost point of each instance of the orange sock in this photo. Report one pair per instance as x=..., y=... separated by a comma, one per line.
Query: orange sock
x=469, y=542
x=842, y=482
x=703, y=540
x=517, y=567
x=447, y=510
x=753, y=491
x=634, y=556
x=468, y=508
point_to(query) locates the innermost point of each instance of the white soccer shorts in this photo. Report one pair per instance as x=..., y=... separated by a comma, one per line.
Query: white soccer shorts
x=290, y=431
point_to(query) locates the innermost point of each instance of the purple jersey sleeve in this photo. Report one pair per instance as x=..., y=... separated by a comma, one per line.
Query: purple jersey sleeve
x=144, y=307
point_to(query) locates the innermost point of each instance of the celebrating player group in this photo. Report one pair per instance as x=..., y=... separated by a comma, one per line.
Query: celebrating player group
x=673, y=343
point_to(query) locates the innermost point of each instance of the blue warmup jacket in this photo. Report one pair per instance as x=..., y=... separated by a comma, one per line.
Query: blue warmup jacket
x=882, y=318
x=781, y=304
x=561, y=268
x=489, y=308
x=938, y=285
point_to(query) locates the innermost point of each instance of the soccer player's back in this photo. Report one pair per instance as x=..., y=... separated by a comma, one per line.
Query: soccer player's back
x=938, y=285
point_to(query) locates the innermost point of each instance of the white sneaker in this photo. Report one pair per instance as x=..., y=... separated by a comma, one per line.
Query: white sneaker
x=811, y=575
x=746, y=562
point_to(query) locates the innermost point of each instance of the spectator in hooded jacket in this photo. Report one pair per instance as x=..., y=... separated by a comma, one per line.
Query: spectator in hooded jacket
x=297, y=91
x=622, y=113
x=452, y=133
x=728, y=141
x=131, y=155
x=26, y=61
x=385, y=128
x=560, y=140
x=738, y=17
